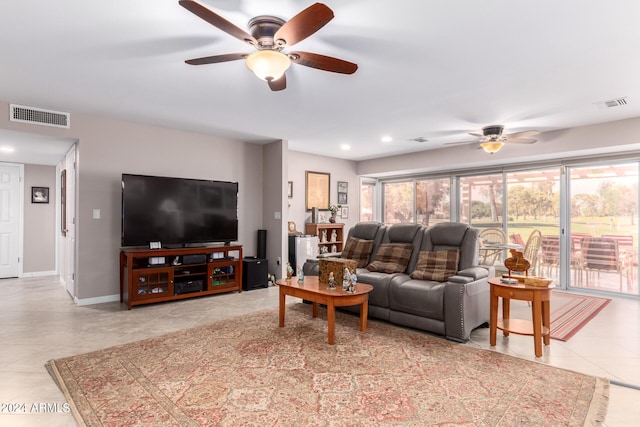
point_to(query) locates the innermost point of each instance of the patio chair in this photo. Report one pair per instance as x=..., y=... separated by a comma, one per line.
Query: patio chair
x=531, y=250
x=549, y=254
x=601, y=255
x=491, y=237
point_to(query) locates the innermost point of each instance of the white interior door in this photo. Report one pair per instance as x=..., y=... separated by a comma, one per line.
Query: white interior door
x=70, y=228
x=10, y=220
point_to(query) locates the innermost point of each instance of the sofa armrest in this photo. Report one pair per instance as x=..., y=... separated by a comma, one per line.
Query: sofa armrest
x=466, y=306
x=475, y=273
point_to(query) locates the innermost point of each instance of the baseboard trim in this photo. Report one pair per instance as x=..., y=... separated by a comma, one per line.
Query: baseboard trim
x=40, y=274
x=97, y=300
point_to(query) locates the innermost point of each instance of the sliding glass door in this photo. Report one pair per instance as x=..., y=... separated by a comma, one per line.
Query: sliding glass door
x=604, y=227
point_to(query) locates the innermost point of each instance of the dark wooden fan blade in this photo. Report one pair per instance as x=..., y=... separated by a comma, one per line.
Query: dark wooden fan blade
x=217, y=21
x=303, y=25
x=523, y=134
x=322, y=62
x=216, y=58
x=476, y=134
x=279, y=84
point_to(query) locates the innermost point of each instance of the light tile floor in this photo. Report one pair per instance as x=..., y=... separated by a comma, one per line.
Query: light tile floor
x=39, y=322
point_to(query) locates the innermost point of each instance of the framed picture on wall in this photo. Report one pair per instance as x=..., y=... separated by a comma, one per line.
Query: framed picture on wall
x=344, y=212
x=343, y=187
x=317, y=190
x=39, y=194
x=342, y=199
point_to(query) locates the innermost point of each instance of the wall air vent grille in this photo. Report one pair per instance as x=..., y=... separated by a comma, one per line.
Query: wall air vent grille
x=39, y=116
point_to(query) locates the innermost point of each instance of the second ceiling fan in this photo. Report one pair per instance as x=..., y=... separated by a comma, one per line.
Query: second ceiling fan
x=270, y=35
x=492, y=138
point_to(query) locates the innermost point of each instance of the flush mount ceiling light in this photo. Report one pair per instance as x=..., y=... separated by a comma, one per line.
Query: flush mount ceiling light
x=387, y=139
x=268, y=65
x=492, y=146
x=7, y=149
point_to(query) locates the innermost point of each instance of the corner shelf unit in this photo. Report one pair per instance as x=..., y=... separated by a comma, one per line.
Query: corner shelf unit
x=183, y=273
x=317, y=230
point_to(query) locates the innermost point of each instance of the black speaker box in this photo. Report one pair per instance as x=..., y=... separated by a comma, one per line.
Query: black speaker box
x=262, y=244
x=194, y=259
x=254, y=273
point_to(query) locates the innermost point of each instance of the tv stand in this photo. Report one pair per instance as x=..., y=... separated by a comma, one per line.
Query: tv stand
x=198, y=273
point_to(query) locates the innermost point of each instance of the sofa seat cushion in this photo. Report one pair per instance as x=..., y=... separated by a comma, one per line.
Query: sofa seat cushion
x=379, y=296
x=418, y=297
x=358, y=250
x=436, y=265
x=392, y=258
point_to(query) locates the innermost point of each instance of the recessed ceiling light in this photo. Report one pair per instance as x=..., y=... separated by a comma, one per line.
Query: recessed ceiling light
x=7, y=149
x=387, y=139
x=345, y=147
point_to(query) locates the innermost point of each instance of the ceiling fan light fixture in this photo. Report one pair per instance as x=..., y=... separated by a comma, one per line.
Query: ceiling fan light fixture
x=268, y=65
x=492, y=146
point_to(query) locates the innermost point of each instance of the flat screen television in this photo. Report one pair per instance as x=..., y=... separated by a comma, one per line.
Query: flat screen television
x=178, y=211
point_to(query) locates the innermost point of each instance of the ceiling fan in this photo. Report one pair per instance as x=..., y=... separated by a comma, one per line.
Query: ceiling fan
x=492, y=138
x=270, y=35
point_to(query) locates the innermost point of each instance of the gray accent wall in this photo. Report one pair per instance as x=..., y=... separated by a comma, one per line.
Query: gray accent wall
x=39, y=250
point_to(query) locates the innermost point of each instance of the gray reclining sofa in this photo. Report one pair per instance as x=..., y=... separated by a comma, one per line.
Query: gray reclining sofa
x=421, y=295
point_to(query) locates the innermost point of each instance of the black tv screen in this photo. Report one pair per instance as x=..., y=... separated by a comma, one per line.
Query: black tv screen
x=178, y=211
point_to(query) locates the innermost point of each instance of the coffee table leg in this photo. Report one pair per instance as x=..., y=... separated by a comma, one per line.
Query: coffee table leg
x=331, y=322
x=314, y=310
x=364, y=312
x=282, y=305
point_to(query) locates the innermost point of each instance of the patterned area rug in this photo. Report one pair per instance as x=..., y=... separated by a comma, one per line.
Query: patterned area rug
x=570, y=312
x=249, y=372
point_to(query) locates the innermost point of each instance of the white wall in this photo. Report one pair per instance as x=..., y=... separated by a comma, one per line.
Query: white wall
x=340, y=170
x=610, y=137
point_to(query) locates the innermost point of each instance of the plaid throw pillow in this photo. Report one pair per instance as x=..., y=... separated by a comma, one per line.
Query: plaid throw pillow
x=392, y=258
x=358, y=250
x=437, y=266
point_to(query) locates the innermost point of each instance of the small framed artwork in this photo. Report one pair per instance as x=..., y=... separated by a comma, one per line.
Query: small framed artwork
x=39, y=194
x=290, y=189
x=344, y=212
x=342, y=199
x=343, y=187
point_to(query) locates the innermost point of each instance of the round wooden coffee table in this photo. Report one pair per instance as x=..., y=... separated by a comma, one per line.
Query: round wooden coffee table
x=540, y=298
x=312, y=290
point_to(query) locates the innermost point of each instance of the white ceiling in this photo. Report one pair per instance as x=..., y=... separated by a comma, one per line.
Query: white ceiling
x=427, y=68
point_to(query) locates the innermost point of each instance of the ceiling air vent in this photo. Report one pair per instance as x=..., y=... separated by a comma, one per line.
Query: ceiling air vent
x=616, y=102
x=419, y=139
x=39, y=116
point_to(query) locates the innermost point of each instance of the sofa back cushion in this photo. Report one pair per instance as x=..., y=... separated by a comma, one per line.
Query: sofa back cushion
x=392, y=258
x=454, y=235
x=369, y=230
x=405, y=232
x=358, y=250
x=436, y=265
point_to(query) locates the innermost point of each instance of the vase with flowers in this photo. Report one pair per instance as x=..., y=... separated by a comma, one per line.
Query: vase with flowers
x=334, y=211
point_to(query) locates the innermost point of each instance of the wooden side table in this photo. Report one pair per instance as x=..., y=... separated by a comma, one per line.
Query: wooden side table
x=540, y=298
